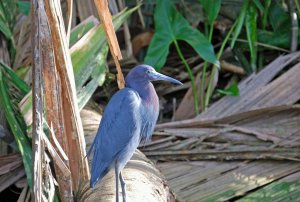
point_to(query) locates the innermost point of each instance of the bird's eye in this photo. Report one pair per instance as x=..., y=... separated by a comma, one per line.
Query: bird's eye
x=148, y=71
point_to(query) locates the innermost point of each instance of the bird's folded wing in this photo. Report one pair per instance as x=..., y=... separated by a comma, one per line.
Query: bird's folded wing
x=119, y=124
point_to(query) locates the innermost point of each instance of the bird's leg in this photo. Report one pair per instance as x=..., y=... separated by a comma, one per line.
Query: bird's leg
x=117, y=183
x=123, y=185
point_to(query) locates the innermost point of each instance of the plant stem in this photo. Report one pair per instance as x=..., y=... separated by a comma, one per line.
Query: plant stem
x=215, y=68
x=204, y=72
x=190, y=75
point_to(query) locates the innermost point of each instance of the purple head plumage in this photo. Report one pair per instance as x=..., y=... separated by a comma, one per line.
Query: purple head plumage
x=145, y=73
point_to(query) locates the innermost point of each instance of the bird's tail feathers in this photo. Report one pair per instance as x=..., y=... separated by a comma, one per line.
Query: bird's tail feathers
x=95, y=178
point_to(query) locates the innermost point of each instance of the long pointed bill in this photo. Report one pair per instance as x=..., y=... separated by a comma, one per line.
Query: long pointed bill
x=155, y=76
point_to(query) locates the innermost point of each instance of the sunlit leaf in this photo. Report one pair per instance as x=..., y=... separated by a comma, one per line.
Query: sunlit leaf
x=170, y=25
x=97, y=78
x=81, y=29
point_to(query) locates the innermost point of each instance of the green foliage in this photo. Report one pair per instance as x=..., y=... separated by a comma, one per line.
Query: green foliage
x=89, y=58
x=232, y=90
x=240, y=21
x=251, y=23
x=211, y=8
x=24, y=7
x=81, y=29
x=16, y=123
x=8, y=13
x=276, y=191
x=171, y=26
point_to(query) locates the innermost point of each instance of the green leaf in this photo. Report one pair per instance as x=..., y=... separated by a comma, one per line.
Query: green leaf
x=24, y=7
x=4, y=28
x=233, y=90
x=21, y=139
x=266, y=13
x=19, y=83
x=250, y=23
x=170, y=25
x=98, y=78
x=258, y=4
x=8, y=13
x=240, y=22
x=279, y=19
x=212, y=8
x=80, y=30
x=279, y=39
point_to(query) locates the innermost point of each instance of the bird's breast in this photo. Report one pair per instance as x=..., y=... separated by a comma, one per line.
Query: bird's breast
x=149, y=115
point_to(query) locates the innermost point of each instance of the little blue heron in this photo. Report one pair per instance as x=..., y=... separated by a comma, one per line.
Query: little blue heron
x=128, y=120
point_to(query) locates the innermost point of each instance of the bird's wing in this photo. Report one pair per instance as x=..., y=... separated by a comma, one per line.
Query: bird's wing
x=119, y=124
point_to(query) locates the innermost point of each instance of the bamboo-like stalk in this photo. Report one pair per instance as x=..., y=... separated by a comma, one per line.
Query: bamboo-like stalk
x=72, y=130
x=38, y=27
x=45, y=62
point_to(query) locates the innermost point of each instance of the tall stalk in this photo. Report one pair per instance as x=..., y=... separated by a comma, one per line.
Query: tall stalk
x=215, y=68
x=190, y=75
x=204, y=73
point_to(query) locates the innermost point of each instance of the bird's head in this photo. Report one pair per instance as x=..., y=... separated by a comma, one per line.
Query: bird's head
x=145, y=73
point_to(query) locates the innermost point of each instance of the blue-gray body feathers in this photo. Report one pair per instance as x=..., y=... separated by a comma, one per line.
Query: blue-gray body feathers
x=123, y=126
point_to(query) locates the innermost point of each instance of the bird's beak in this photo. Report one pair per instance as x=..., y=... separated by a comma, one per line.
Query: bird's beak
x=155, y=76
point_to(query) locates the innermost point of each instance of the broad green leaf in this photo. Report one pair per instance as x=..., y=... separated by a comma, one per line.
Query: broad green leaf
x=98, y=78
x=212, y=8
x=170, y=25
x=21, y=139
x=250, y=23
x=240, y=22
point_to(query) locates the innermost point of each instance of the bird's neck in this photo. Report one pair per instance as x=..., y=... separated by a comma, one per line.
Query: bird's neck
x=147, y=92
